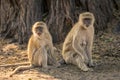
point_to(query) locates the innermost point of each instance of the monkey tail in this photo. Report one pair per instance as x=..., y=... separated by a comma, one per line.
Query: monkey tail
x=20, y=68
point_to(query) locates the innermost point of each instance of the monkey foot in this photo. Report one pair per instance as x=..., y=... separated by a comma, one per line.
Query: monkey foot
x=91, y=69
x=87, y=69
x=92, y=64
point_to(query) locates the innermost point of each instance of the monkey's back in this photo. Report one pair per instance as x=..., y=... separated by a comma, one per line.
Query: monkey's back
x=67, y=45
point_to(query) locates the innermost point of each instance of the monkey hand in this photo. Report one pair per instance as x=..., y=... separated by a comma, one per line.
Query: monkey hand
x=91, y=64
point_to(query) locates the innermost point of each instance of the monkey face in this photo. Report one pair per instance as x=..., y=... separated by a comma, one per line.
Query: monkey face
x=87, y=22
x=39, y=30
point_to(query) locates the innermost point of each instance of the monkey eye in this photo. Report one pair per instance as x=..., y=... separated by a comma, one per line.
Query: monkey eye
x=87, y=19
x=39, y=29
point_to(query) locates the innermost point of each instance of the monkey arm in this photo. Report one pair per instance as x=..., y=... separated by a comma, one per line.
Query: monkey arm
x=77, y=47
x=31, y=49
x=89, y=52
x=50, y=50
x=33, y=53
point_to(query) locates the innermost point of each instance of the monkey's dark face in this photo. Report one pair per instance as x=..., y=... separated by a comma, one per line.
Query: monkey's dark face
x=87, y=21
x=39, y=30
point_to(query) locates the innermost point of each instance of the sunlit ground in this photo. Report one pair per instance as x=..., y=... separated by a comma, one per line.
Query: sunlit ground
x=34, y=75
x=106, y=51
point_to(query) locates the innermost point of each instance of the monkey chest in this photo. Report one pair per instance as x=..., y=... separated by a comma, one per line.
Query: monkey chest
x=41, y=43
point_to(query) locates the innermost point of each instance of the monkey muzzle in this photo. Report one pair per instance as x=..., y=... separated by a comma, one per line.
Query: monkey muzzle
x=39, y=33
x=87, y=22
x=39, y=30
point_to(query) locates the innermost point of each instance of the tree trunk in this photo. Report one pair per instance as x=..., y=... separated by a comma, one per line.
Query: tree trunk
x=18, y=16
x=59, y=20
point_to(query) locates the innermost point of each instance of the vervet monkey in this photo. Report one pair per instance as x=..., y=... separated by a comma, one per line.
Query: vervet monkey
x=77, y=47
x=40, y=48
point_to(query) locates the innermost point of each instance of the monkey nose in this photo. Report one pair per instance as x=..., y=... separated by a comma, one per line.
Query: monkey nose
x=87, y=25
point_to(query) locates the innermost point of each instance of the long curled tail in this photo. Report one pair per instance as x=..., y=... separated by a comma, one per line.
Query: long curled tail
x=20, y=68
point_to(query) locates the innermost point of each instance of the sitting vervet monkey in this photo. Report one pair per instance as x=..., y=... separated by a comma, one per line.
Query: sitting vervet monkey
x=77, y=46
x=40, y=48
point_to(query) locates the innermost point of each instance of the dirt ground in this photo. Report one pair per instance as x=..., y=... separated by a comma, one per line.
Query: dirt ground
x=106, y=55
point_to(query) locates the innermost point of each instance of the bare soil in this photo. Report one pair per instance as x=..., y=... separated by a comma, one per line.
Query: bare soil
x=106, y=55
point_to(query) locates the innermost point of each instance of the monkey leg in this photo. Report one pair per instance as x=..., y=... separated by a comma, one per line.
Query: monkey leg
x=76, y=59
x=44, y=58
x=36, y=58
x=51, y=59
x=86, y=60
x=80, y=63
x=39, y=58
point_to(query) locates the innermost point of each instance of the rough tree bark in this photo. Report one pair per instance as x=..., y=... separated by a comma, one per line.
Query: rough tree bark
x=18, y=16
x=59, y=19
